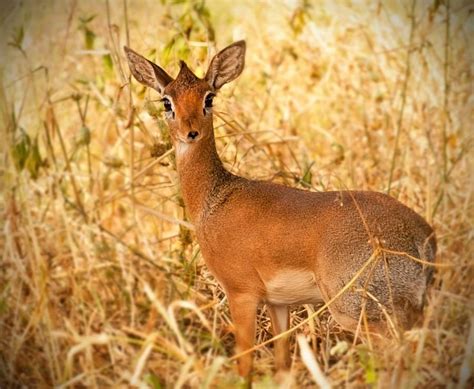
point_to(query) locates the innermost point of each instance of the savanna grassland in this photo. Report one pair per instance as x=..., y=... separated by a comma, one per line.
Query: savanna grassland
x=102, y=283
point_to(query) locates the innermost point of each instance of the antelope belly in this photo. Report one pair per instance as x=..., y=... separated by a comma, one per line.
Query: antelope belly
x=293, y=287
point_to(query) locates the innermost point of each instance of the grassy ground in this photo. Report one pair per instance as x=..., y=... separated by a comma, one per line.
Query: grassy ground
x=101, y=280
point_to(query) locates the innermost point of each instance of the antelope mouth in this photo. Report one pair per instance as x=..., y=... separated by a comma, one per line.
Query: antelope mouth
x=192, y=137
x=188, y=141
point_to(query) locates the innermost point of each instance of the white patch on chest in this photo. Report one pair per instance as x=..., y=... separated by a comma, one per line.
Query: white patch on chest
x=293, y=287
x=181, y=148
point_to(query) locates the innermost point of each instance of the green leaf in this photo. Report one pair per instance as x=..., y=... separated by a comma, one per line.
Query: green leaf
x=83, y=137
x=113, y=162
x=308, y=175
x=89, y=38
x=298, y=21
x=153, y=381
x=108, y=64
x=34, y=161
x=86, y=19
x=21, y=149
x=369, y=365
x=17, y=38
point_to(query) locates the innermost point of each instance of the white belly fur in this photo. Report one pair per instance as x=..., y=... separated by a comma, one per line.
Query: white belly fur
x=293, y=287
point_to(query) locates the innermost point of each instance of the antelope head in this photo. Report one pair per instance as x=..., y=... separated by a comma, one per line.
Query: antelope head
x=187, y=99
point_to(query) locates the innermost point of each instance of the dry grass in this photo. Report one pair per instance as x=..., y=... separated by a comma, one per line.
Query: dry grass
x=101, y=280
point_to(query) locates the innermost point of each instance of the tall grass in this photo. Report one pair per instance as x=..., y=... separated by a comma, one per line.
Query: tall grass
x=102, y=283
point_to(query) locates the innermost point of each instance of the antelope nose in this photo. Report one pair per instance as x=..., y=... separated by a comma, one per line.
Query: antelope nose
x=193, y=135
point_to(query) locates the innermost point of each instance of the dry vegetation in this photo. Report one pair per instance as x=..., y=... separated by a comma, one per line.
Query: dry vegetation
x=101, y=280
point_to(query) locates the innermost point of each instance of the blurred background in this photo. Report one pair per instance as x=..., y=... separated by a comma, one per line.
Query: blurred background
x=102, y=283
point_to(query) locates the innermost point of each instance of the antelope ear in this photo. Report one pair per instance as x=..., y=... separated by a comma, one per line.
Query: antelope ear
x=146, y=72
x=226, y=65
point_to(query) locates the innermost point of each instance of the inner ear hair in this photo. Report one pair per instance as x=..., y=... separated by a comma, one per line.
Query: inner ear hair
x=147, y=72
x=226, y=65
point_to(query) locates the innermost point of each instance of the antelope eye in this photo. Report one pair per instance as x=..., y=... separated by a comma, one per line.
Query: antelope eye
x=167, y=105
x=208, y=100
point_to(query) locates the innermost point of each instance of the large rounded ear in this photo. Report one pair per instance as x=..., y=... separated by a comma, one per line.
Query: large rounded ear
x=226, y=65
x=146, y=72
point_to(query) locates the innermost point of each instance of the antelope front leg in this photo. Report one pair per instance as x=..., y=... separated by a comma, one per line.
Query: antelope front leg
x=280, y=323
x=243, y=309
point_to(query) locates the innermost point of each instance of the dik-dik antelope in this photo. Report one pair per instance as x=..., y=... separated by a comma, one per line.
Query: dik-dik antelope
x=267, y=243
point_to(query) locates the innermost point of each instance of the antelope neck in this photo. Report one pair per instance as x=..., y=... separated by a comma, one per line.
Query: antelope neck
x=201, y=174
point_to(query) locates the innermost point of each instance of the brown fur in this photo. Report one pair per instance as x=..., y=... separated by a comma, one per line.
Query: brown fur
x=252, y=232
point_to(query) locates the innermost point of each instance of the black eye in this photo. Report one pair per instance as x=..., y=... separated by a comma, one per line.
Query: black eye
x=167, y=105
x=208, y=100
